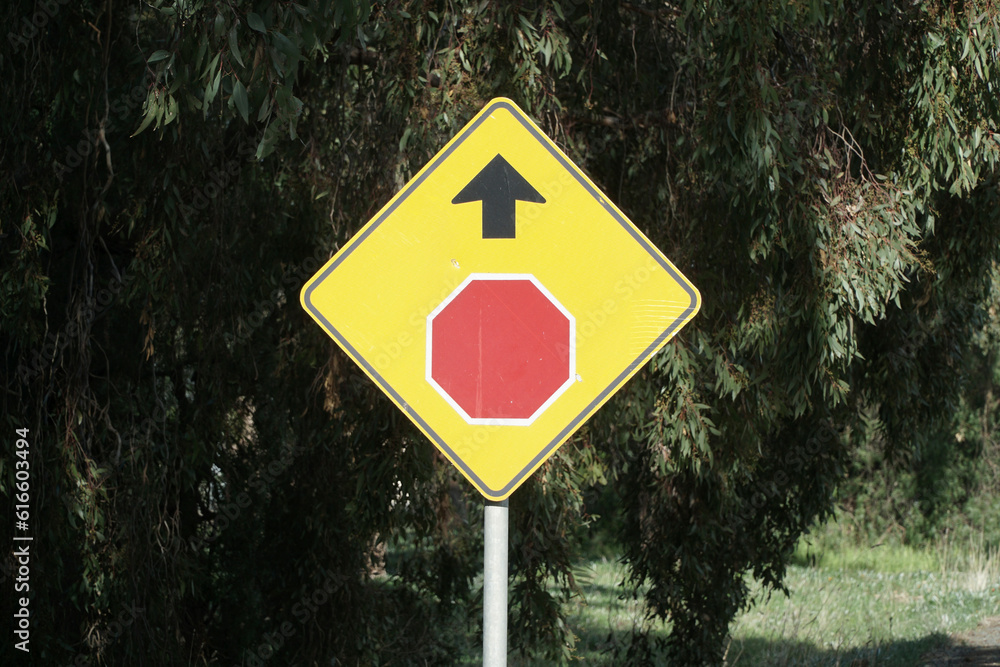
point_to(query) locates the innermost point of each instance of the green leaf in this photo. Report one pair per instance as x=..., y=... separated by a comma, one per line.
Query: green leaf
x=286, y=46
x=202, y=50
x=546, y=49
x=212, y=67
x=240, y=99
x=157, y=56
x=267, y=142
x=256, y=22
x=265, y=110
x=161, y=108
x=212, y=89
x=234, y=48
x=151, y=105
x=171, y=110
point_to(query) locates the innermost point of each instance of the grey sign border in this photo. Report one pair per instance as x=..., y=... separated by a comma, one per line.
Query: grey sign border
x=591, y=407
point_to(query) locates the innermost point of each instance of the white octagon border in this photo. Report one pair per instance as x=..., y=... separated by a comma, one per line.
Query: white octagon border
x=572, y=349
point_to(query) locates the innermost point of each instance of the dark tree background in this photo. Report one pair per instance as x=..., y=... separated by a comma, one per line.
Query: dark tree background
x=211, y=479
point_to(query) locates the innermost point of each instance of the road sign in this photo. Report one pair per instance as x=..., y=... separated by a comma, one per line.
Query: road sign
x=499, y=299
x=500, y=349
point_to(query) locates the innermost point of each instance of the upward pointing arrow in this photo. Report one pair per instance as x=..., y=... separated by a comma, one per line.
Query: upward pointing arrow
x=498, y=186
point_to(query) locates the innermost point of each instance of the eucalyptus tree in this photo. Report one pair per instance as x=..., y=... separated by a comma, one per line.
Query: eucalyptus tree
x=824, y=171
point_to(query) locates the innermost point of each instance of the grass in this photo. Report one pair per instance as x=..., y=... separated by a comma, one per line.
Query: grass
x=885, y=606
x=844, y=617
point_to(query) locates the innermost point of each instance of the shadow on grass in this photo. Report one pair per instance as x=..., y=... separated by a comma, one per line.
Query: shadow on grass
x=596, y=648
x=754, y=651
x=967, y=656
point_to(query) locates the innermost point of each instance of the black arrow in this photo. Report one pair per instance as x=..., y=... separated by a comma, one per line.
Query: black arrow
x=498, y=186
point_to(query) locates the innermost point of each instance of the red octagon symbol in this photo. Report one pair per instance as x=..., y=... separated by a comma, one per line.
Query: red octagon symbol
x=500, y=349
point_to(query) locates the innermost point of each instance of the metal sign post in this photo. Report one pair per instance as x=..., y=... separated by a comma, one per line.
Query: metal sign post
x=499, y=299
x=495, y=522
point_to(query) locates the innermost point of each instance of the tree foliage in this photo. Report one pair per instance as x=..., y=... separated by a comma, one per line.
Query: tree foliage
x=824, y=171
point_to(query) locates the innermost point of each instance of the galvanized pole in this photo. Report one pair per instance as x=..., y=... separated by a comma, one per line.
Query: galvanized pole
x=495, y=584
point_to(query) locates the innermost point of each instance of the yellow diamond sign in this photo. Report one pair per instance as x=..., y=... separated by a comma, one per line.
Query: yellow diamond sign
x=499, y=299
